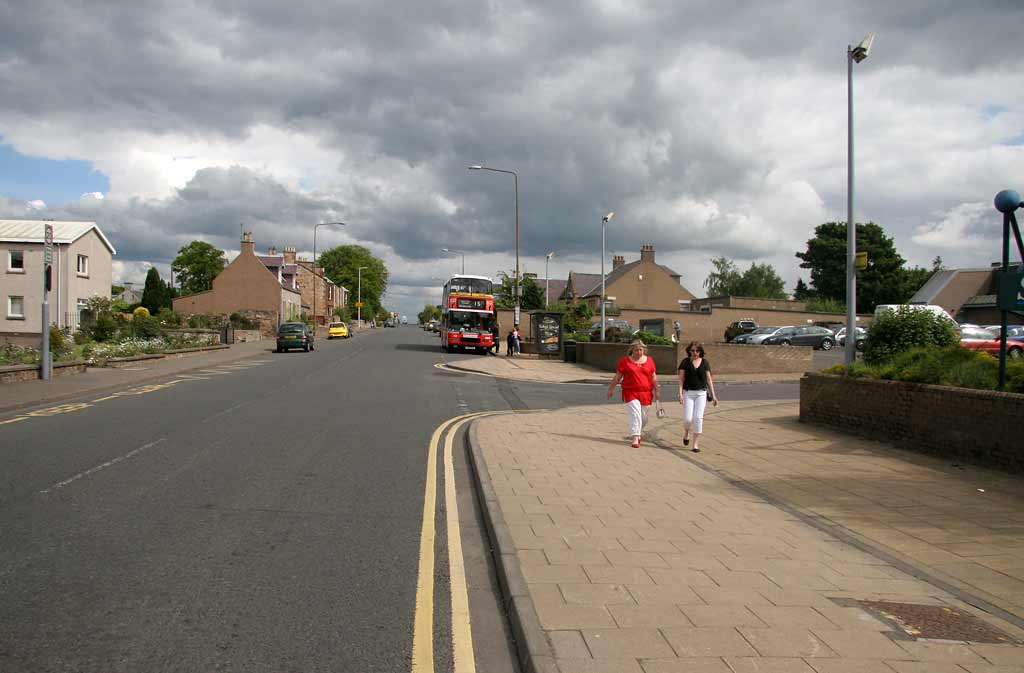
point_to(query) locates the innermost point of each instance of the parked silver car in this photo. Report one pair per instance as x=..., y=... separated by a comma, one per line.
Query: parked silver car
x=757, y=336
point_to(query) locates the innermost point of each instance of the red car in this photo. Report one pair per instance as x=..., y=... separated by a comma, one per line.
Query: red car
x=978, y=339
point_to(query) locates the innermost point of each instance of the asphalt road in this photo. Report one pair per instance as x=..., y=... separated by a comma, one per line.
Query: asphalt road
x=262, y=516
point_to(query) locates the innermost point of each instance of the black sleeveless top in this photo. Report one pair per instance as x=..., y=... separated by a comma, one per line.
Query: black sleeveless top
x=695, y=378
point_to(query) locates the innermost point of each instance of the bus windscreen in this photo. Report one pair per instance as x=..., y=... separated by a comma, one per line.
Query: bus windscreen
x=470, y=320
x=470, y=286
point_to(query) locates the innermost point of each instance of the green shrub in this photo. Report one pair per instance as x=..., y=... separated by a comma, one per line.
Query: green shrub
x=579, y=337
x=1014, y=376
x=58, y=342
x=906, y=328
x=103, y=328
x=653, y=339
x=145, y=326
x=170, y=318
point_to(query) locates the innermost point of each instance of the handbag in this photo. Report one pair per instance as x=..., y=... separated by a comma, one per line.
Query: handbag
x=661, y=412
x=710, y=399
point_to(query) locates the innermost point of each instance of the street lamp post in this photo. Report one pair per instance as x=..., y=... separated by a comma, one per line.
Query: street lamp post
x=315, y=227
x=359, y=296
x=515, y=177
x=604, y=223
x=547, y=278
x=858, y=54
x=457, y=252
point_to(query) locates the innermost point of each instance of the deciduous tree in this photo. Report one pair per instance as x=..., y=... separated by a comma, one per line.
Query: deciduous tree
x=341, y=264
x=196, y=265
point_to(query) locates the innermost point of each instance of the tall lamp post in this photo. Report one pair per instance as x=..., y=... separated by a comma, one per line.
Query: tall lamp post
x=457, y=252
x=604, y=223
x=853, y=54
x=515, y=176
x=315, y=227
x=547, y=278
x=359, y=295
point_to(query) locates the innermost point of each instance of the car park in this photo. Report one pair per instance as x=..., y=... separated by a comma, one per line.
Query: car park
x=860, y=338
x=739, y=327
x=1011, y=330
x=294, y=335
x=978, y=339
x=338, y=330
x=818, y=338
x=621, y=326
x=757, y=336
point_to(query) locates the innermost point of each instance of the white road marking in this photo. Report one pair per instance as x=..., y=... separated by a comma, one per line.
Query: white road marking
x=62, y=484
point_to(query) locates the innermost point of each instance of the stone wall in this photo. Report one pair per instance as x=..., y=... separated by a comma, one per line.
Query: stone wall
x=15, y=373
x=724, y=358
x=748, y=359
x=976, y=426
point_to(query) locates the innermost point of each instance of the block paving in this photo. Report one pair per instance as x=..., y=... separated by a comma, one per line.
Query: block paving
x=656, y=560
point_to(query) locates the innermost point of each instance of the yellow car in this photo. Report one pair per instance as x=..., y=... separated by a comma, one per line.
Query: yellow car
x=338, y=330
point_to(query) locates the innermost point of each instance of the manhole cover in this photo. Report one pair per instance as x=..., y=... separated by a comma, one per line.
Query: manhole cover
x=936, y=622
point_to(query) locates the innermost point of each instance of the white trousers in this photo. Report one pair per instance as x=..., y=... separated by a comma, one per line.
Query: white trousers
x=694, y=402
x=637, y=417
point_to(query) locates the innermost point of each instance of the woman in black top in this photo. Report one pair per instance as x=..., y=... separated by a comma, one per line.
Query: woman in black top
x=696, y=387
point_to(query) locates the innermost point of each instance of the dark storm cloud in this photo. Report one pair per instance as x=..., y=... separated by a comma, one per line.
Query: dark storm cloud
x=597, y=105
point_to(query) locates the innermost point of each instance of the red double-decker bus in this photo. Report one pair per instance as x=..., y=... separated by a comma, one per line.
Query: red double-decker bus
x=468, y=313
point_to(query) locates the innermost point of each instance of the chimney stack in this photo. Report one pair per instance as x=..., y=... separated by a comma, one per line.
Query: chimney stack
x=647, y=254
x=272, y=250
x=248, y=247
x=617, y=261
x=289, y=254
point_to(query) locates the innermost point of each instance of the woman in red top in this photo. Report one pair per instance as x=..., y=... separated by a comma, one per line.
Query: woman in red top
x=639, y=380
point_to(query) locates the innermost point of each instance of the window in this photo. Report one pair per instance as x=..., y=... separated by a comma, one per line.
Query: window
x=16, y=261
x=16, y=308
x=83, y=265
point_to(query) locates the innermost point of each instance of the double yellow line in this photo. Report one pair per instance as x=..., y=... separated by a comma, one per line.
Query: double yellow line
x=423, y=626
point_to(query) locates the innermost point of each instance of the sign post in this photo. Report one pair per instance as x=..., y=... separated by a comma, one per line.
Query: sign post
x=1010, y=296
x=46, y=364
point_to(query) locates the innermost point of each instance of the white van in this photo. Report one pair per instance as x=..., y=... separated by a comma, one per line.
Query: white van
x=937, y=310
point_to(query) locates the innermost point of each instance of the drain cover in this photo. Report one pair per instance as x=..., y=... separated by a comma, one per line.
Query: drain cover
x=936, y=622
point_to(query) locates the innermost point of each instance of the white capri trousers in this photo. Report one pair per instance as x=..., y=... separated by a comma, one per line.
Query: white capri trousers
x=694, y=403
x=637, y=417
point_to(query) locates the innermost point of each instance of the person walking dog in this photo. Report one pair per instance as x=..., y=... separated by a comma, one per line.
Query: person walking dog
x=696, y=387
x=639, y=378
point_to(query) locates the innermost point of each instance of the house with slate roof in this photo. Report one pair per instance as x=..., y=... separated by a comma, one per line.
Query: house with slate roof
x=82, y=267
x=640, y=284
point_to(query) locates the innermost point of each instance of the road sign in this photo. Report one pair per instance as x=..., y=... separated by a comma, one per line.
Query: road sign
x=359, y=304
x=1010, y=288
x=48, y=245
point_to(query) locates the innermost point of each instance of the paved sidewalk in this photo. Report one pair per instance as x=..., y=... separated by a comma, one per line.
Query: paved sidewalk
x=532, y=368
x=95, y=379
x=660, y=560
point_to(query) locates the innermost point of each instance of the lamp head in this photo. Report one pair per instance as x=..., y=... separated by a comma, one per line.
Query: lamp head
x=444, y=249
x=608, y=217
x=550, y=254
x=474, y=168
x=860, y=52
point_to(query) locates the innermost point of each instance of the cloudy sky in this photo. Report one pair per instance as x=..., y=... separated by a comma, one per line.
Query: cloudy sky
x=710, y=128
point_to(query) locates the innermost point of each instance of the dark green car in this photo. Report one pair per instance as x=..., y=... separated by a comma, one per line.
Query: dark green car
x=294, y=335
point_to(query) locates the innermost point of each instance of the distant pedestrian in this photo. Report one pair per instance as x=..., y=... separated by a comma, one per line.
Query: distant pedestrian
x=678, y=332
x=510, y=344
x=517, y=340
x=496, y=337
x=639, y=379
x=696, y=388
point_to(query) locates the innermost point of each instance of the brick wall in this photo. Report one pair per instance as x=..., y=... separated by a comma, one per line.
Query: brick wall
x=976, y=426
x=724, y=358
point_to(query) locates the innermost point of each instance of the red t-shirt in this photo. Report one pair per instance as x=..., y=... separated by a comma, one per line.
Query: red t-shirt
x=637, y=380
